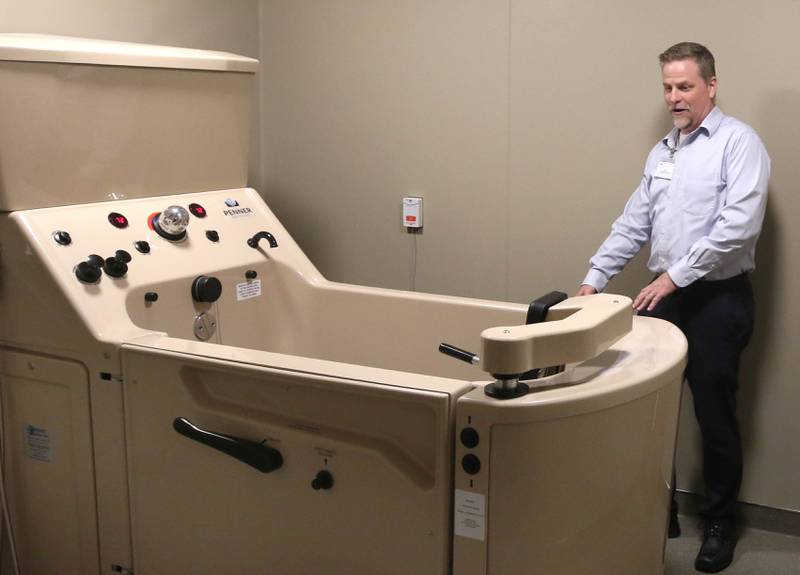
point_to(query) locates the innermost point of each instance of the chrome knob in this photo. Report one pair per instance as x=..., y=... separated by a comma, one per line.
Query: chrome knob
x=174, y=220
x=171, y=223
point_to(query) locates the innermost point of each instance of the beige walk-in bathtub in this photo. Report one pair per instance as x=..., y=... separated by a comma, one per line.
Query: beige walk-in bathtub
x=183, y=392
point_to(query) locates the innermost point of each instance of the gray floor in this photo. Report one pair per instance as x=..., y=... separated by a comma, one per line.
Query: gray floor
x=758, y=552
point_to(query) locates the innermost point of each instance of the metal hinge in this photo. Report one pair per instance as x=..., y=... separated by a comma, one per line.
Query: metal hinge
x=111, y=377
x=121, y=569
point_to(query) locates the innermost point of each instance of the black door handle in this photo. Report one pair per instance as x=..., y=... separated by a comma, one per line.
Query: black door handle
x=258, y=455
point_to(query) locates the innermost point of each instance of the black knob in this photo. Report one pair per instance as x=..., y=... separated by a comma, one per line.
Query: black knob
x=206, y=289
x=116, y=268
x=251, y=274
x=122, y=256
x=62, y=238
x=212, y=235
x=323, y=480
x=96, y=261
x=151, y=296
x=87, y=273
x=471, y=464
x=470, y=437
x=142, y=246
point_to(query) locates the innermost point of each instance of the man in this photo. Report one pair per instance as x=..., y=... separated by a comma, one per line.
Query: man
x=700, y=203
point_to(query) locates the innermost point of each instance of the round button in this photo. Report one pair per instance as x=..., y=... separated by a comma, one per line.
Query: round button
x=323, y=480
x=142, y=247
x=470, y=437
x=151, y=296
x=62, y=238
x=471, y=464
x=197, y=210
x=118, y=220
x=251, y=274
x=212, y=235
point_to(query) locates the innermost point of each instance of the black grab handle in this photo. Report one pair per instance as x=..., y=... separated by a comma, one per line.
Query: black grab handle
x=538, y=308
x=258, y=455
x=537, y=313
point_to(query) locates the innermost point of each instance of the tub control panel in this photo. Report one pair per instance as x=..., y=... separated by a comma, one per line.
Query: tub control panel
x=111, y=240
x=102, y=252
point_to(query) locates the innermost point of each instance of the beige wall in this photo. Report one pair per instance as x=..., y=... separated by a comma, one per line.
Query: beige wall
x=229, y=26
x=524, y=125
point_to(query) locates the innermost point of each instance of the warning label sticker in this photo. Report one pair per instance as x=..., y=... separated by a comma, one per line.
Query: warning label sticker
x=470, y=515
x=38, y=443
x=248, y=290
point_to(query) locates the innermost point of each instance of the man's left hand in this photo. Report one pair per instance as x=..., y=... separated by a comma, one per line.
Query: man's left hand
x=654, y=292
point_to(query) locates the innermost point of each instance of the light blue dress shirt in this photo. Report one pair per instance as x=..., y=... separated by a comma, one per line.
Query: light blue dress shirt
x=702, y=215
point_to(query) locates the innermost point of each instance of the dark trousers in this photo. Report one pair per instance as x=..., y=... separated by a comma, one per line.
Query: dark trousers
x=717, y=319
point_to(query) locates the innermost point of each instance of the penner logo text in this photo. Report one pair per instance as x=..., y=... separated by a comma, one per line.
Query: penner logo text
x=238, y=212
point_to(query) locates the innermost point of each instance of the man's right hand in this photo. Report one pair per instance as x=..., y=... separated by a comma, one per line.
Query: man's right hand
x=586, y=289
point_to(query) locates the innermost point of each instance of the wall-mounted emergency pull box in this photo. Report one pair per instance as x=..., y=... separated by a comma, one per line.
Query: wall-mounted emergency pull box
x=412, y=212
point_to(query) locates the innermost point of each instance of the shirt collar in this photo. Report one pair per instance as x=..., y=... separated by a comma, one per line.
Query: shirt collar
x=710, y=125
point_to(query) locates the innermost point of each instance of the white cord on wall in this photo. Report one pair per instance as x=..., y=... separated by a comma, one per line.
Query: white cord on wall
x=412, y=264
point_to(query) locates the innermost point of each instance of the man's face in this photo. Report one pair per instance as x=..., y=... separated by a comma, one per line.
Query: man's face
x=689, y=98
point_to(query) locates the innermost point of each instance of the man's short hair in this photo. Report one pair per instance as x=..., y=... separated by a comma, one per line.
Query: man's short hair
x=694, y=51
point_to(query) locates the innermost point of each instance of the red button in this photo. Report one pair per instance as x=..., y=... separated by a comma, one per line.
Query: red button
x=117, y=220
x=198, y=210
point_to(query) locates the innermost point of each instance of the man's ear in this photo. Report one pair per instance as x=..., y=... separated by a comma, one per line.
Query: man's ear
x=712, y=87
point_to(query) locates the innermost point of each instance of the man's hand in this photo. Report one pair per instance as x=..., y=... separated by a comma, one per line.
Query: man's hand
x=654, y=292
x=586, y=289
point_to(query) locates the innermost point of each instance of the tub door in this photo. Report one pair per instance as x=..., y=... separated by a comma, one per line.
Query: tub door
x=47, y=465
x=238, y=467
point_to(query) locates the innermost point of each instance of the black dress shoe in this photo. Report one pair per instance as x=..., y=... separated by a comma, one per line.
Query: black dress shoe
x=719, y=541
x=674, y=526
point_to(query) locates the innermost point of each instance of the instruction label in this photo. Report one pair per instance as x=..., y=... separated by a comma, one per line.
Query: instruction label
x=470, y=515
x=248, y=290
x=38, y=443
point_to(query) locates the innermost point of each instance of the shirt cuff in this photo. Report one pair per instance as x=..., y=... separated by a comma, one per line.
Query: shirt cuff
x=682, y=275
x=596, y=279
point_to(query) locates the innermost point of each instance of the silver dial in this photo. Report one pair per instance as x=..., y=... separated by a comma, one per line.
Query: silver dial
x=174, y=220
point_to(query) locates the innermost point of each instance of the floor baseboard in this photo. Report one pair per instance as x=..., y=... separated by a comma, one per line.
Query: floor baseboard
x=750, y=515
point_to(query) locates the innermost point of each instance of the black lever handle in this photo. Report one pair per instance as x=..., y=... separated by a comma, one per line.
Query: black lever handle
x=459, y=353
x=258, y=455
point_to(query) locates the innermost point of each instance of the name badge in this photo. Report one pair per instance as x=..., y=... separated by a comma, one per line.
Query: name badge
x=664, y=170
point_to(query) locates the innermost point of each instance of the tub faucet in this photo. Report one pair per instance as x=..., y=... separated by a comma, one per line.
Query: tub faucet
x=262, y=235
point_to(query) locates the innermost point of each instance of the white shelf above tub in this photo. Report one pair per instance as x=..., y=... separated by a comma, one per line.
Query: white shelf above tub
x=69, y=50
